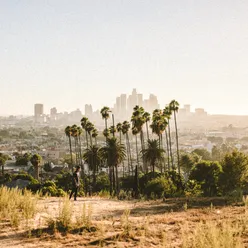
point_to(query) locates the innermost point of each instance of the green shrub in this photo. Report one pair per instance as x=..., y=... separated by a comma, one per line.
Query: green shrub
x=50, y=190
x=61, y=193
x=24, y=176
x=64, y=181
x=193, y=188
x=102, y=182
x=125, y=195
x=49, y=183
x=158, y=187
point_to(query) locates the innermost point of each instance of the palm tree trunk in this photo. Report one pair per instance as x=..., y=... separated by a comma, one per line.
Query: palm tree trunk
x=86, y=136
x=116, y=180
x=80, y=155
x=178, y=161
x=142, y=148
x=137, y=170
x=113, y=119
x=71, y=165
x=147, y=130
x=167, y=148
x=130, y=154
x=171, y=155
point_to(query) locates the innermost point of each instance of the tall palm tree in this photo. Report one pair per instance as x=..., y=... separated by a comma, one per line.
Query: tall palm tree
x=74, y=130
x=153, y=153
x=94, y=135
x=92, y=157
x=35, y=161
x=158, y=127
x=112, y=130
x=89, y=128
x=84, y=121
x=114, y=153
x=119, y=129
x=125, y=130
x=105, y=115
x=68, y=133
x=80, y=149
x=136, y=176
x=174, y=106
x=147, y=118
x=167, y=114
x=138, y=121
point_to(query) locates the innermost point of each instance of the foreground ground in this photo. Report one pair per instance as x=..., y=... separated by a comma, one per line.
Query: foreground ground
x=169, y=223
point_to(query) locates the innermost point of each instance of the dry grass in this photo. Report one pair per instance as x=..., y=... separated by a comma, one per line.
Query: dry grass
x=95, y=222
x=16, y=205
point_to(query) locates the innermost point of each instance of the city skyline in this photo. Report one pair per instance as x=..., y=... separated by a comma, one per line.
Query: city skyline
x=67, y=54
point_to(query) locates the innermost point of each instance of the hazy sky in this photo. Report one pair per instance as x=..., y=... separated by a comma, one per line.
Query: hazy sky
x=69, y=53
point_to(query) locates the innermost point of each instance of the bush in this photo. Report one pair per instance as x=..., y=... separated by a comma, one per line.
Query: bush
x=143, y=181
x=207, y=174
x=125, y=195
x=52, y=191
x=102, y=182
x=193, y=188
x=158, y=187
x=23, y=176
x=64, y=181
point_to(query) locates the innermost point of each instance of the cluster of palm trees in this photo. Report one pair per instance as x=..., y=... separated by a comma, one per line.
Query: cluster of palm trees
x=150, y=153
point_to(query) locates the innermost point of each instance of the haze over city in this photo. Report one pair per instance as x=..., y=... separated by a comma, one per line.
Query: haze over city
x=71, y=53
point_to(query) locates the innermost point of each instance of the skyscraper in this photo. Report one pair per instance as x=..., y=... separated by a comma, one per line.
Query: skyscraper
x=88, y=110
x=38, y=109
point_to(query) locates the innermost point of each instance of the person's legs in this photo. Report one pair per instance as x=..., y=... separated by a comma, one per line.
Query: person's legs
x=72, y=191
x=75, y=193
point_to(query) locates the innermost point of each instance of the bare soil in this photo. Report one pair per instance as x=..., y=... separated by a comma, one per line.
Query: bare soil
x=149, y=224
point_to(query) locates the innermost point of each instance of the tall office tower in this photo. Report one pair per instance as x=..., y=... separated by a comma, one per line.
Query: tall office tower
x=132, y=100
x=88, y=110
x=153, y=103
x=53, y=111
x=187, y=108
x=123, y=111
x=38, y=112
x=140, y=100
x=38, y=109
x=118, y=105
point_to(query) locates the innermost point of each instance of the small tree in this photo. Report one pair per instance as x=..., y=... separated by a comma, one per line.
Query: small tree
x=36, y=160
x=207, y=174
x=235, y=171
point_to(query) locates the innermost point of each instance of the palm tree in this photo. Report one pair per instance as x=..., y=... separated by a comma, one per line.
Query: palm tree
x=113, y=153
x=68, y=133
x=94, y=135
x=119, y=129
x=84, y=121
x=147, y=118
x=167, y=114
x=80, y=149
x=92, y=157
x=74, y=130
x=136, y=176
x=105, y=115
x=174, y=106
x=138, y=121
x=125, y=130
x=89, y=128
x=153, y=153
x=158, y=127
x=112, y=130
x=36, y=160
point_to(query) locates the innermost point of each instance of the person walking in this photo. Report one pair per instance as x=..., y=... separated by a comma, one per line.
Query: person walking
x=75, y=183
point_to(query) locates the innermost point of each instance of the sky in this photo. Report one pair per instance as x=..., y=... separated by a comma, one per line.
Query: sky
x=68, y=53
